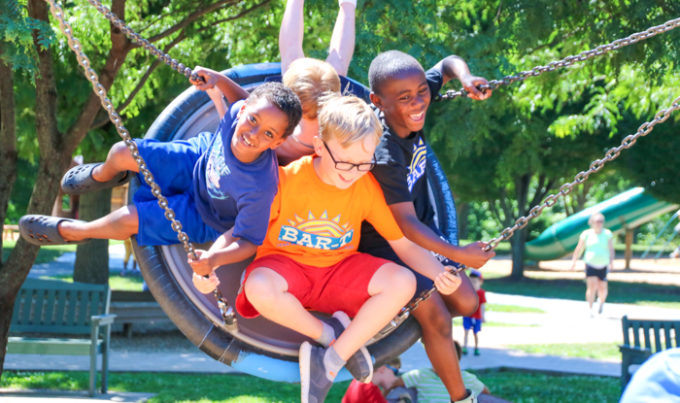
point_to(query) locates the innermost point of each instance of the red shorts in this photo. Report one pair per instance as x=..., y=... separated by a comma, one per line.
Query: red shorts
x=341, y=287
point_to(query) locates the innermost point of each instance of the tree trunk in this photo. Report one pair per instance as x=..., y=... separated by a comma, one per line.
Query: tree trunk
x=517, y=243
x=92, y=258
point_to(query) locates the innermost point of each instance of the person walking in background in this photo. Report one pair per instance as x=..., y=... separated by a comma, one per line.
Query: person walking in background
x=597, y=242
x=474, y=322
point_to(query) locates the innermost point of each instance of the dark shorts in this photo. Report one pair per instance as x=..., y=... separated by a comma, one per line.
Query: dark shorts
x=600, y=273
x=172, y=167
x=340, y=287
x=472, y=323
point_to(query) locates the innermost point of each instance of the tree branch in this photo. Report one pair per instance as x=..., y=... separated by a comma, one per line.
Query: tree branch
x=191, y=18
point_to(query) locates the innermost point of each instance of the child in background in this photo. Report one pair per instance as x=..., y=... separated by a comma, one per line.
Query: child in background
x=474, y=322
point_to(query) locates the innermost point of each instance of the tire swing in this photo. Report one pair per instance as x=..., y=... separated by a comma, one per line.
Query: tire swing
x=258, y=347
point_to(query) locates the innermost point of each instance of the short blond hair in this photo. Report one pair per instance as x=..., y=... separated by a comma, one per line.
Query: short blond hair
x=311, y=79
x=348, y=119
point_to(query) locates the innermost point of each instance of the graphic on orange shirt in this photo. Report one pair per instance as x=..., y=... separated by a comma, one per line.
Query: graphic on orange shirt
x=318, y=233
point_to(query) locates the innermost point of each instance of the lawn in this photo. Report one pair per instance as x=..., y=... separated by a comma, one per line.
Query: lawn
x=597, y=351
x=518, y=386
x=619, y=291
x=512, y=308
x=45, y=254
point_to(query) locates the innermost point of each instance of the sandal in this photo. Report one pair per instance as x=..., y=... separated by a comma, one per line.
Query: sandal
x=79, y=179
x=43, y=230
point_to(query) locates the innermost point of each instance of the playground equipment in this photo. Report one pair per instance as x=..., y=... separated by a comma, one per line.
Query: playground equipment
x=256, y=348
x=627, y=210
x=676, y=230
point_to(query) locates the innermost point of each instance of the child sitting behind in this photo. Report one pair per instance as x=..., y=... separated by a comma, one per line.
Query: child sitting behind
x=220, y=185
x=474, y=322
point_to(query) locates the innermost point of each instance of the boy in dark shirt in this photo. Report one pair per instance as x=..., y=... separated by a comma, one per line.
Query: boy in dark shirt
x=402, y=91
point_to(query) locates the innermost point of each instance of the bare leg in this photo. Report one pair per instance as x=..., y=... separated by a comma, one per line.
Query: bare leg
x=591, y=286
x=341, y=47
x=390, y=288
x=291, y=33
x=118, y=160
x=464, y=301
x=602, y=290
x=465, y=338
x=476, y=340
x=435, y=320
x=120, y=224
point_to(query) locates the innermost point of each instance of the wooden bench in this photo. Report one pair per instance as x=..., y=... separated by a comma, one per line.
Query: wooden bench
x=132, y=308
x=63, y=309
x=648, y=337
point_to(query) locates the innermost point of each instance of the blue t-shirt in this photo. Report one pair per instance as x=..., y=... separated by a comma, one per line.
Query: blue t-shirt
x=657, y=380
x=230, y=193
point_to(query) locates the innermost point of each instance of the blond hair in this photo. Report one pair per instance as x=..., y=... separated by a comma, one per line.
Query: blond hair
x=311, y=79
x=348, y=119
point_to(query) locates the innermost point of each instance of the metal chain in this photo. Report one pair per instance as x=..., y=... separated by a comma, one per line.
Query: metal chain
x=551, y=199
x=135, y=37
x=569, y=60
x=226, y=311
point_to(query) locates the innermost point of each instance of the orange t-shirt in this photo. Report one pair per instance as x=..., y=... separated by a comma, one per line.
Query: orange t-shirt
x=318, y=224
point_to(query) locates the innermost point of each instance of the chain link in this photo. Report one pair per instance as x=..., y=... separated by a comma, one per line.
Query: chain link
x=570, y=60
x=226, y=311
x=135, y=37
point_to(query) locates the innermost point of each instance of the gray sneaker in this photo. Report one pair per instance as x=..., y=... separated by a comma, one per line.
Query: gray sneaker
x=314, y=385
x=359, y=364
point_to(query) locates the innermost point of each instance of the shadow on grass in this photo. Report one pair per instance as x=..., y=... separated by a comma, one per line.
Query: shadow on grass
x=619, y=291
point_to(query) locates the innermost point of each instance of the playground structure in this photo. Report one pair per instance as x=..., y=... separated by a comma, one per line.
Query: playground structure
x=623, y=212
x=268, y=353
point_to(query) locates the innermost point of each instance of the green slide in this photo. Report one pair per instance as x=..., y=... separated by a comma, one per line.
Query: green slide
x=625, y=210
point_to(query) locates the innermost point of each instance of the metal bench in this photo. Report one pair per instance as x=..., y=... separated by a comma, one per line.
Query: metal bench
x=648, y=337
x=63, y=309
x=133, y=307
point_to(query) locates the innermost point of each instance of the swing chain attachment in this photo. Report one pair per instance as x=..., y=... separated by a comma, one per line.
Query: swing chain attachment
x=226, y=311
x=569, y=60
x=549, y=201
x=135, y=37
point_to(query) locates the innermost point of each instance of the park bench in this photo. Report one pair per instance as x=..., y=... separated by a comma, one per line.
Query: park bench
x=132, y=308
x=648, y=337
x=61, y=309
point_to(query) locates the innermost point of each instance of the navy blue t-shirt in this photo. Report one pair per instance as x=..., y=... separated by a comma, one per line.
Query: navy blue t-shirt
x=230, y=193
x=401, y=171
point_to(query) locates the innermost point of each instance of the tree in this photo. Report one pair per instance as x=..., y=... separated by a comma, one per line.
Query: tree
x=62, y=116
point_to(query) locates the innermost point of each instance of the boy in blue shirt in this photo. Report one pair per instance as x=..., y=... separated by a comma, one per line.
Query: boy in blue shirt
x=220, y=185
x=401, y=91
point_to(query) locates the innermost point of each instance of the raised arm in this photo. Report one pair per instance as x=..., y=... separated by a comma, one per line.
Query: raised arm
x=291, y=33
x=341, y=48
x=455, y=67
x=470, y=255
x=211, y=78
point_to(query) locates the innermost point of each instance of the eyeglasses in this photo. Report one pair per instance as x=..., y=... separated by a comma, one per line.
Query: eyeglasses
x=347, y=166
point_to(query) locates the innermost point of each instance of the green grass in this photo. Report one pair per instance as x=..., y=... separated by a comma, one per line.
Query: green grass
x=116, y=281
x=597, y=351
x=620, y=292
x=513, y=308
x=45, y=254
x=517, y=386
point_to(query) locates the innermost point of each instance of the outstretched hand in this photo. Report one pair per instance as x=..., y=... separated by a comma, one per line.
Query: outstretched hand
x=472, y=85
x=201, y=265
x=209, y=77
x=447, y=282
x=473, y=255
x=205, y=285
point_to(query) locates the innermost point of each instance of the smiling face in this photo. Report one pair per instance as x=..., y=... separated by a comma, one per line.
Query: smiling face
x=360, y=152
x=260, y=126
x=404, y=100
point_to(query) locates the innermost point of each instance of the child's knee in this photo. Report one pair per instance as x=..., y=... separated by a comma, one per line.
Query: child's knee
x=465, y=299
x=403, y=280
x=259, y=286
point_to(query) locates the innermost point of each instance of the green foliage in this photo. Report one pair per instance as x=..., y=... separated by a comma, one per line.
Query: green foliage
x=16, y=35
x=596, y=351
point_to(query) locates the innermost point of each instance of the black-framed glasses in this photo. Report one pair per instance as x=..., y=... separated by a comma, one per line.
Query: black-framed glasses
x=347, y=166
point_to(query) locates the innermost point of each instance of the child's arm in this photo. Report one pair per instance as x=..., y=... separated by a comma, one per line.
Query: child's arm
x=291, y=33
x=218, y=99
x=426, y=264
x=454, y=67
x=341, y=47
x=483, y=311
x=471, y=255
x=577, y=252
x=226, y=249
x=230, y=89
